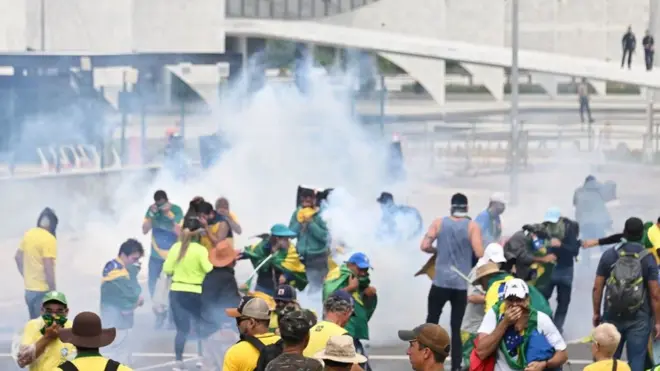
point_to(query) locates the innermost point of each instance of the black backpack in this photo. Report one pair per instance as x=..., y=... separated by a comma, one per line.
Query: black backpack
x=625, y=287
x=267, y=353
x=110, y=366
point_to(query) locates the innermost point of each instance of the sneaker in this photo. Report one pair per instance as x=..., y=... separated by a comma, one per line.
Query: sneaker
x=179, y=366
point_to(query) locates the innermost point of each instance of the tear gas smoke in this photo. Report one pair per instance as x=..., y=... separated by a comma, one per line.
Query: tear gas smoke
x=281, y=138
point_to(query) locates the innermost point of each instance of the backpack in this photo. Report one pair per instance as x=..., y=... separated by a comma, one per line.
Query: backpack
x=110, y=366
x=267, y=353
x=625, y=286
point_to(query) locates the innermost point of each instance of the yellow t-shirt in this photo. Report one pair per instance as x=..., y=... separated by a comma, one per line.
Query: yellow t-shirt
x=188, y=274
x=653, y=235
x=235, y=219
x=242, y=356
x=37, y=244
x=92, y=362
x=206, y=241
x=493, y=293
x=606, y=365
x=319, y=336
x=55, y=353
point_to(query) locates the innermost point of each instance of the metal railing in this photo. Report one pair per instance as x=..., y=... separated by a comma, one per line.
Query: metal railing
x=291, y=9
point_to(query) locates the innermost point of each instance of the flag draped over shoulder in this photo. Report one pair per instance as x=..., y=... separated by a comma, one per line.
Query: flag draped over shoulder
x=364, y=306
x=495, y=292
x=285, y=261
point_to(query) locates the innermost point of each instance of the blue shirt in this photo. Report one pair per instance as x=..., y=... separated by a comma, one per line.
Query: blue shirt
x=491, y=227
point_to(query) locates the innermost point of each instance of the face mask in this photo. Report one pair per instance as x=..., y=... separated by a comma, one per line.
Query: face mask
x=363, y=282
x=49, y=319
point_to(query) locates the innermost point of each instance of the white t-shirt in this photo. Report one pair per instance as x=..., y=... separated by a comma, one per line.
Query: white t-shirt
x=544, y=325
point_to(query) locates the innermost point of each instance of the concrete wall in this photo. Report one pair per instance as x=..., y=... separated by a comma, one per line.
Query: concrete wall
x=13, y=25
x=413, y=17
x=77, y=25
x=177, y=25
x=118, y=26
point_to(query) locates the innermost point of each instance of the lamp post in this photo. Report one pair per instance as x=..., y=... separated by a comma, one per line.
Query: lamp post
x=42, y=21
x=513, y=82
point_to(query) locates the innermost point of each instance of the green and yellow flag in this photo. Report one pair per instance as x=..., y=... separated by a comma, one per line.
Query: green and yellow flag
x=364, y=307
x=286, y=261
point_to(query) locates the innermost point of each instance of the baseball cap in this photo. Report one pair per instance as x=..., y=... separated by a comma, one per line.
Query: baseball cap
x=250, y=307
x=431, y=336
x=360, y=260
x=55, y=296
x=498, y=197
x=494, y=252
x=552, y=215
x=516, y=288
x=285, y=293
x=296, y=323
x=338, y=301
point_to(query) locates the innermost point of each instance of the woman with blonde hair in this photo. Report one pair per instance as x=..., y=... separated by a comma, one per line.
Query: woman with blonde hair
x=187, y=263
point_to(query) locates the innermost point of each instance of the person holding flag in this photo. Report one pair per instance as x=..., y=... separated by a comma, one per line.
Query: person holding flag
x=353, y=277
x=276, y=261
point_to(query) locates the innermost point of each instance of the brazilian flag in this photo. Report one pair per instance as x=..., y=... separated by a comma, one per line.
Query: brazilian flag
x=286, y=261
x=364, y=307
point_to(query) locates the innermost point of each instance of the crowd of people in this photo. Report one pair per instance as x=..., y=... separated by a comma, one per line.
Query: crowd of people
x=498, y=289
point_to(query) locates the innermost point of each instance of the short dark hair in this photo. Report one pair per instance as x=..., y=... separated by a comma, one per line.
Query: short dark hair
x=659, y=220
x=439, y=358
x=131, y=246
x=160, y=195
x=205, y=208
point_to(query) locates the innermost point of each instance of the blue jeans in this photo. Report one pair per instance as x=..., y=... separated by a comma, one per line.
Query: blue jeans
x=155, y=268
x=635, y=334
x=562, y=279
x=359, y=349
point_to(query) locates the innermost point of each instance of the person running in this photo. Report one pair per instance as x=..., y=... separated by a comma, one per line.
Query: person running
x=475, y=310
x=457, y=238
x=527, y=248
x=120, y=296
x=337, y=311
x=628, y=276
x=353, y=278
x=561, y=276
x=339, y=354
x=252, y=317
x=428, y=348
x=35, y=260
x=187, y=263
x=313, y=237
x=294, y=325
x=278, y=261
x=216, y=228
x=40, y=348
x=163, y=220
x=88, y=336
x=590, y=201
x=649, y=49
x=490, y=220
x=605, y=341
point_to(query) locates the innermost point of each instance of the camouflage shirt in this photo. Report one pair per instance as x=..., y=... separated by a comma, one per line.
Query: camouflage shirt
x=294, y=362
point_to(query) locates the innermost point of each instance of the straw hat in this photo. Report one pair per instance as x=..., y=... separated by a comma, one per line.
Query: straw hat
x=485, y=270
x=340, y=349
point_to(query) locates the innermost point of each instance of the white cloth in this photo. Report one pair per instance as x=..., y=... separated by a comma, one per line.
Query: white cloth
x=474, y=313
x=544, y=325
x=161, y=299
